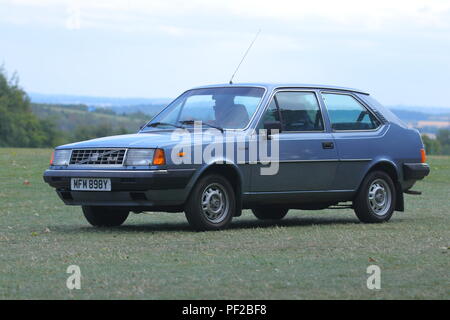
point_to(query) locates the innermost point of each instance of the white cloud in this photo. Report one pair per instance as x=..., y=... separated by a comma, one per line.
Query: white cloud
x=378, y=44
x=346, y=13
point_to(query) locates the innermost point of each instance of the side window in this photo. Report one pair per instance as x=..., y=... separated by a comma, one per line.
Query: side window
x=346, y=113
x=300, y=111
x=271, y=113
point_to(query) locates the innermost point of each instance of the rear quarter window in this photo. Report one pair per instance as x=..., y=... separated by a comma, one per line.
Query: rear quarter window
x=346, y=113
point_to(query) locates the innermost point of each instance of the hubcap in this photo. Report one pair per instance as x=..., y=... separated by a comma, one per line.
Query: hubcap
x=215, y=203
x=379, y=197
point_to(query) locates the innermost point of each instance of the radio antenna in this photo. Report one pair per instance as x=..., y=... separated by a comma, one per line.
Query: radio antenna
x=245, y=54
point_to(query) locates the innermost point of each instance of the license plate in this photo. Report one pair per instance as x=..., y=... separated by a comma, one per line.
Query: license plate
x=90, y=184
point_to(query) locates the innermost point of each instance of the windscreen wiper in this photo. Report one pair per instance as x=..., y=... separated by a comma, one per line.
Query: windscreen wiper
x=155, y=124
x=203, y=123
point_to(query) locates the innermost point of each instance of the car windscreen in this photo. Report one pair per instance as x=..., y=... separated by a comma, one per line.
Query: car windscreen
x=227, y=108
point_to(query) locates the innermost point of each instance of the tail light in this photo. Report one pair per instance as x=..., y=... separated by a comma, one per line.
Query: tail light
x=52, y=158
x=423, y=155
x=159, y=158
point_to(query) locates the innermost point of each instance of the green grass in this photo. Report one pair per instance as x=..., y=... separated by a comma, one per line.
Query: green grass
x=309, y=255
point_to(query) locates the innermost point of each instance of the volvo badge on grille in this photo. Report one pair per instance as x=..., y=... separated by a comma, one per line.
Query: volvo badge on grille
x=94, y=157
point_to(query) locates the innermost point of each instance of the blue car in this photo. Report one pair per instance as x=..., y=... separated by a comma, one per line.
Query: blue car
x=217, y=150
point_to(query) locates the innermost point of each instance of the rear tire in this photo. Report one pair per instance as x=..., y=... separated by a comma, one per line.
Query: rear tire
x=375, y=201
x=105, y=216
x=211, y=204
x=270, y=213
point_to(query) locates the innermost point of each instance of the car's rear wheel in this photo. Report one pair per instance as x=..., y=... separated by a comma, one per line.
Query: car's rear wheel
x=105, y=216
x=375, y=201
x=270, y=213
x=211, y=204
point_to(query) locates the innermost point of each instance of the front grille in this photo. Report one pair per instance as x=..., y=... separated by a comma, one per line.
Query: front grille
x=97, y=157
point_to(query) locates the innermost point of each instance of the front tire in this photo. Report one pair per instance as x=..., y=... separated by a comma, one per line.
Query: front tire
x=105, y=216
x=375, y=201
x=211, y=204
x=268, y=213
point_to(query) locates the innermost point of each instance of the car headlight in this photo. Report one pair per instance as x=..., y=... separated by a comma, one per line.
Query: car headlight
x=139, y=157
x=61, y=158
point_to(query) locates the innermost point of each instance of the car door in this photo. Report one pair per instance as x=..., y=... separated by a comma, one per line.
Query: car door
x=358, y=134
x=307, y=154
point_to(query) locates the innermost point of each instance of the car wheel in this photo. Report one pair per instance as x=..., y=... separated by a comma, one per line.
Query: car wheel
x=269, y=213
x=211, y=204
x=375, y=201
x=105, y=216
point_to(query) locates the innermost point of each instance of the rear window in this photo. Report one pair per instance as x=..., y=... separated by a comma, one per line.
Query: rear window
x=346, y=113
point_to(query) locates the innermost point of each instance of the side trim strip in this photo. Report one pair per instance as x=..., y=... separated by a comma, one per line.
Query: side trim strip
x=295, y=192
x=312, y=160
x=315, y=160
x=354, y=160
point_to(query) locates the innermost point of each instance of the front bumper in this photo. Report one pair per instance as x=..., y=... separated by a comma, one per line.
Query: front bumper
x=415, y=171
x=132, y=188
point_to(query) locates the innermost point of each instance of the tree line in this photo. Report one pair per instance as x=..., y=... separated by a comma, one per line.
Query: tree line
x=19, y=127
x=440, y=145
x=24, y=124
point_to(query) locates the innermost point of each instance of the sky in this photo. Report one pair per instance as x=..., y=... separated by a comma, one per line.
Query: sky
x=397, y=50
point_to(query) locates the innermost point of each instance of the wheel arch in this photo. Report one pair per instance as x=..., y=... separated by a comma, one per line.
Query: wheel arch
x=387, y=166
x=227, y=169
x=391, y=169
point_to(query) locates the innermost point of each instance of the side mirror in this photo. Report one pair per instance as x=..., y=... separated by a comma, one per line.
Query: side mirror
x=272, y=127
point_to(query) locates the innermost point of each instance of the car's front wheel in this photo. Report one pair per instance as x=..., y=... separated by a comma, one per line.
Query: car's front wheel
x=105, y=216
x=269, y=213
x=375, y=201
x=211, y=204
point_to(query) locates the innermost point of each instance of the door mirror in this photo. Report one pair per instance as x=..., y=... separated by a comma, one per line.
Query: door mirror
x=272, y=127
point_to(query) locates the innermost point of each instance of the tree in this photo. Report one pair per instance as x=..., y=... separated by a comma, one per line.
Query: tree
x=432, y=146
x=19, y=127
x=83, y=132
x=443, y=136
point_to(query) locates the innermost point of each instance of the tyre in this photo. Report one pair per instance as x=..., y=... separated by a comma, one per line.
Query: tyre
x=105, y=216
x=375, y=201
x=211, y=204
x=270, y=213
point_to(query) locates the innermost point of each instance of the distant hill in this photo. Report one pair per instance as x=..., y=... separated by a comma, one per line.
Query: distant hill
x=69, y=117
x=428, y=123
x=426, y=119
x=410, y=116
x=147, y=106
x=148, y=109
x=95, y=101
x=422, y=109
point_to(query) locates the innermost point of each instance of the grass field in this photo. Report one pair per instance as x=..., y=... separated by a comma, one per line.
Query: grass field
x=309, y=255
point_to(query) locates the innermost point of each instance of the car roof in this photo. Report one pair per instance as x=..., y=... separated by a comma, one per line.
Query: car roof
x=271, y=86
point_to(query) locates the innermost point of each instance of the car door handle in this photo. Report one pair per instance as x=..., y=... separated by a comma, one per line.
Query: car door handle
x=328, y=145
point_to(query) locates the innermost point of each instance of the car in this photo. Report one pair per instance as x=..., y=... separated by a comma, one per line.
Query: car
x=219, y=149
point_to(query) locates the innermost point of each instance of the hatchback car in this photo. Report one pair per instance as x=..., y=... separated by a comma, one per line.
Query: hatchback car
x=217, y=150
